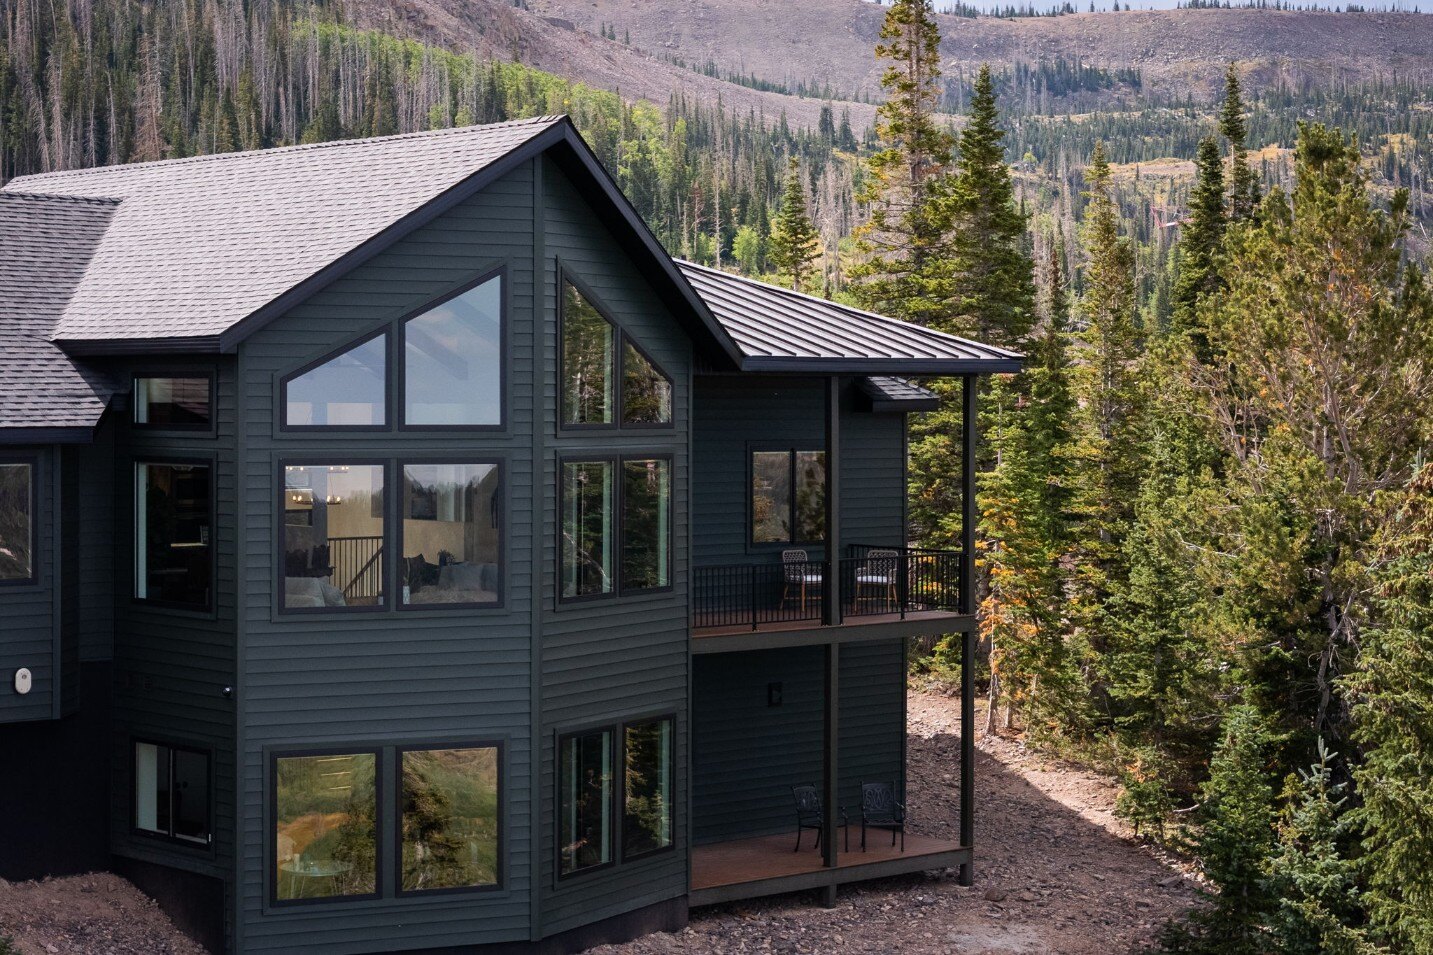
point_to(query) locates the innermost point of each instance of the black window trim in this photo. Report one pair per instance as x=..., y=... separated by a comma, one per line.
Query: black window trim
x=620, y=337
x=791, y=451
x=500, y=745
x=280, y=532
x=271, y=824
x=208, y=846
x=617, y=459
x=670, y=717
x=501, y=465
x=164, y=460
x=206, y=429
x=32, y=460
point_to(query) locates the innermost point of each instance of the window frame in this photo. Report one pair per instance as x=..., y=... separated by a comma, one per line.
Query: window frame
x=209, y=428
x=209, y=846
x=32, y=461
x=389, y=508
x=380, y=812
x=617, y=804
x=161, y=460
x=621, y=811
x=498, y=886
x=617, y=460
x=620, y=339
x=459, y=459
x=791, y=451
x=388, y=398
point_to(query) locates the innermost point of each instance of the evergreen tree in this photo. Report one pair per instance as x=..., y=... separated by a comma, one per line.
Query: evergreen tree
x=794, y=244
x=1392, y=691
x=1243, y=181
x=1200, y=243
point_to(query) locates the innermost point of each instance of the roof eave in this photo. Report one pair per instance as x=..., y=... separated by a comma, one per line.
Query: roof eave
x=110, y=347
x=60, y=434
x=929, y=367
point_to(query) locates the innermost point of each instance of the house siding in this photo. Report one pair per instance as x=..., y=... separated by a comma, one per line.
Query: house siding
x=31, y=635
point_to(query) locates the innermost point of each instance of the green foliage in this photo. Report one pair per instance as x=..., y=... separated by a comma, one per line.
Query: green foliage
x=794, y=245
x=1243, y=181
x=1200, y=244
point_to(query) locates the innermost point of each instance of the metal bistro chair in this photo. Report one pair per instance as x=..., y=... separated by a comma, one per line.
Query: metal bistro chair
x=879, y=810
x=796, y=569
x=880, y=570
x=810, y=814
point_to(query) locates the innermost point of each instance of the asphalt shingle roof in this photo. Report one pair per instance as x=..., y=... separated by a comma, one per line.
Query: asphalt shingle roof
x=896, y=394
x=45, y=244
x=198, y=244
x=781, y=330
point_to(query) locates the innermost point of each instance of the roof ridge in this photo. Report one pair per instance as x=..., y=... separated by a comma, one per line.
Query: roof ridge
x=844, y=307
x=297, y=147
x=52, y=197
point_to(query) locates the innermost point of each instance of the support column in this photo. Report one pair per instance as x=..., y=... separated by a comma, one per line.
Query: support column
x=831, y=591
x=830, y=778
x=967, y=606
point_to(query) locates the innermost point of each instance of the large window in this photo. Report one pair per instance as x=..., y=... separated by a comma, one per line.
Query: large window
x=325, y=815
x=17, y=521
x=171, y=792
x=584, y=804
x=173, y=403
x=596, y=356
x=451, y=819
x=646, y=787
x=788, y=497
x=452, y=534
x=173, y=548
x=346, y=390
x=596, y=560
x=452, y=364
x=333, y=536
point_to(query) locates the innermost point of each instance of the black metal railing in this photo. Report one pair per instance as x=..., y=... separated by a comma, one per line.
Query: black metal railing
x=357, y=566
x=874, y=581
x=749, y=595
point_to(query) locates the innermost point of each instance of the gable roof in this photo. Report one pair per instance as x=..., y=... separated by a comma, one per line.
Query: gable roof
x=45, y=244
x=781, y=330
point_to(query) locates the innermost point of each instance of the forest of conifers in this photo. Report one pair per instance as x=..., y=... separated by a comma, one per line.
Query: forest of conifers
x=1207, y=514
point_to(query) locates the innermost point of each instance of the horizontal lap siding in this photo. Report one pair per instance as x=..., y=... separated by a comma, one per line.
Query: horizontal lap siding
x=610, y=659
x=95, y=555
x=30, y=628
x=873, y=719
x=390, y=678
x=170, y=666
x=873, y=477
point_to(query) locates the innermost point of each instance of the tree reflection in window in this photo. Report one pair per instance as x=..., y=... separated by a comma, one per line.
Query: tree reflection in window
x=646, y=515
x=646, y=392
x=584, y=801
x=788, y=497
x=325, y=826
x=17, y=526
x=450, y=818
x=587, y=509
x=587, y=361
x=647, y=788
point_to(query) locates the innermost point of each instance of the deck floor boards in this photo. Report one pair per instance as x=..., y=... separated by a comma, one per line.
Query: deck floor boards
x=787, y=625
x=770, y=857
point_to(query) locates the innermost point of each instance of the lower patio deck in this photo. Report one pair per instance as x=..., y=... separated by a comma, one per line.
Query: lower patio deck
x=767, y=865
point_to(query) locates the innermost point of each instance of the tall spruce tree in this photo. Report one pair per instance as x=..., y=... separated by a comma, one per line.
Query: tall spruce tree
x=1243, y=181
x=794, y=244
x=901, y=246
x=1199, y=245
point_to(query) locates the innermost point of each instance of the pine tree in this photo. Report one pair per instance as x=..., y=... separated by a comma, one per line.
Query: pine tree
x=794, y=244
x=994, y=277
x=1243, y=181
x=1200, y=243
x=901, y=245
x=1392, y=690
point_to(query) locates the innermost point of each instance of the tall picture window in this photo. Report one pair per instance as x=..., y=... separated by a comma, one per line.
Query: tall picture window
x=588, y=509
x=452, y=360
x=584, y=803
x=646, y=787
x=607, y=380
x=333, y=536
x=451, y=820
x=646, y=520
x=348, y=389
x=173, y=536
x=174, y=403
x=788, y=497
x=616, y=526
x=17, y=521
x=325, y=817
x=171, y=792
x=452, y=534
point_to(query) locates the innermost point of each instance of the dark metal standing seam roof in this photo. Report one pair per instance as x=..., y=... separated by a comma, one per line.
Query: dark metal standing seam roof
x=46, y=242
x=781, y=330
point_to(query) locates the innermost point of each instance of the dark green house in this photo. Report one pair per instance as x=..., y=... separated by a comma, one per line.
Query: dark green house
x=399, y=551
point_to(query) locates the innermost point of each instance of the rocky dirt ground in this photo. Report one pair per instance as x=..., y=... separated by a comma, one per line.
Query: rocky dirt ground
x=1055, y=872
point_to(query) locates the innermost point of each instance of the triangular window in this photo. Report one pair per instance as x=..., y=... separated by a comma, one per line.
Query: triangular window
x=646, y=390
x=596, y=356
x=346, y=390
x=452, y=360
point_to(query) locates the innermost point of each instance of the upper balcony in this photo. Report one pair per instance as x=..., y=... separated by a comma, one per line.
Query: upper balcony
x=883, y=592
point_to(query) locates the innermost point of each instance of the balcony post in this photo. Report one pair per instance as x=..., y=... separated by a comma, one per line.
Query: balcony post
x=831, y=588
x=830, y=784
x=967, y=606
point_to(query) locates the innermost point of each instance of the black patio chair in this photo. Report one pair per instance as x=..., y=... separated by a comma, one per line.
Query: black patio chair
x=879, y=810
x=810, y=814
